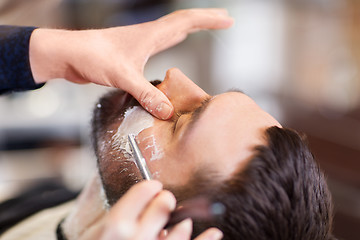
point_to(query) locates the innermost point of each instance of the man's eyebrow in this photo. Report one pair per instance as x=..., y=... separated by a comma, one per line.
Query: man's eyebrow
x=198, y=112
x=195, y=116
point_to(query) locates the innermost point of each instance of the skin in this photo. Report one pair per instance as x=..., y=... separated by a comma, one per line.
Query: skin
x=222, y=139
x=142, y=211
x=116, y=56
x=140, y=214
x=222, y=144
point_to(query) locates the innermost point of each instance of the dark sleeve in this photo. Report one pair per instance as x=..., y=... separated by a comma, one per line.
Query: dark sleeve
x=15, y=71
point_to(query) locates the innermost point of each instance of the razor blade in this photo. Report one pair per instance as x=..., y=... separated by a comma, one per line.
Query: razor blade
x=139, y=159
x=198, y=208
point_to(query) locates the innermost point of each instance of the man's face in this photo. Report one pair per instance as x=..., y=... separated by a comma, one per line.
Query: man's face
x=217, y=133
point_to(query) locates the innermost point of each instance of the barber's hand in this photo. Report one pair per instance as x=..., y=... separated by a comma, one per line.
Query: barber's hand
x=116, y=56
x=142, y=213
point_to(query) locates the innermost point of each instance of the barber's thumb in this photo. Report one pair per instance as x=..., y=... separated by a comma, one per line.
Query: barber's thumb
x=154, y=101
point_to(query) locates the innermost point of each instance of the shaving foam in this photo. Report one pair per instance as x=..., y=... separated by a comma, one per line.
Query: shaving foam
x=135, y=120
x=156, y=152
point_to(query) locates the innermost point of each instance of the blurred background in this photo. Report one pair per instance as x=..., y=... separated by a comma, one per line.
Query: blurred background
x=299, y=60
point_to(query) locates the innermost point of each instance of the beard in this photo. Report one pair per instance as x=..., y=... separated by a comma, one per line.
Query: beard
x=117, y=181
x=117, y=173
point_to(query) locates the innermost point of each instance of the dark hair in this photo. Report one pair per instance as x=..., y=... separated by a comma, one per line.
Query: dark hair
x=280, y=194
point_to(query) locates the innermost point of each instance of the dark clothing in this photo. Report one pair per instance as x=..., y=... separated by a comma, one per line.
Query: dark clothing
x=16, y=75
x=15, y=71
x=42, y=196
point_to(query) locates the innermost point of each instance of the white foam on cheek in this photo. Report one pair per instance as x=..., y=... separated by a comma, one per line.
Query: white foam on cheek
x=135, y=120
x=156, y=152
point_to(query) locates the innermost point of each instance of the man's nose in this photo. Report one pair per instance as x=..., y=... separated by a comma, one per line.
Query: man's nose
x=183, y=93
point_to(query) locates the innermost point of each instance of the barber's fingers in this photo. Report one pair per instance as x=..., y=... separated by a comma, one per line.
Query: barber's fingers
x=156, y=215
x=199, y=18
x=210, y=234
x=183, y=230
x=123, y=217
x=174, y=27
x=150, y=98
x=180, y=231
x=149, y=38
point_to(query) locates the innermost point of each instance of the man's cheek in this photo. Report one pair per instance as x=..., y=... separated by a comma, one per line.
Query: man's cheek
x=151, y=148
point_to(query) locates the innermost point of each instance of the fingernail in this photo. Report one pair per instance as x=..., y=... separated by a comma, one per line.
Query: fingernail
x=229, y=20
x=164, y=111
x=223, y=12
x=122, y=230
x=125, y=231
x=163, y=234
x=170, y=200
x=186, y=225
x=216, y=235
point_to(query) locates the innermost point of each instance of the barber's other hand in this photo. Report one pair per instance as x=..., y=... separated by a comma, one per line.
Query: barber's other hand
x=142, y=213
x=116, y=56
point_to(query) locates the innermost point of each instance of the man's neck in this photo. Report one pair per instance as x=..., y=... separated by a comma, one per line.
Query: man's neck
x=88, y=211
